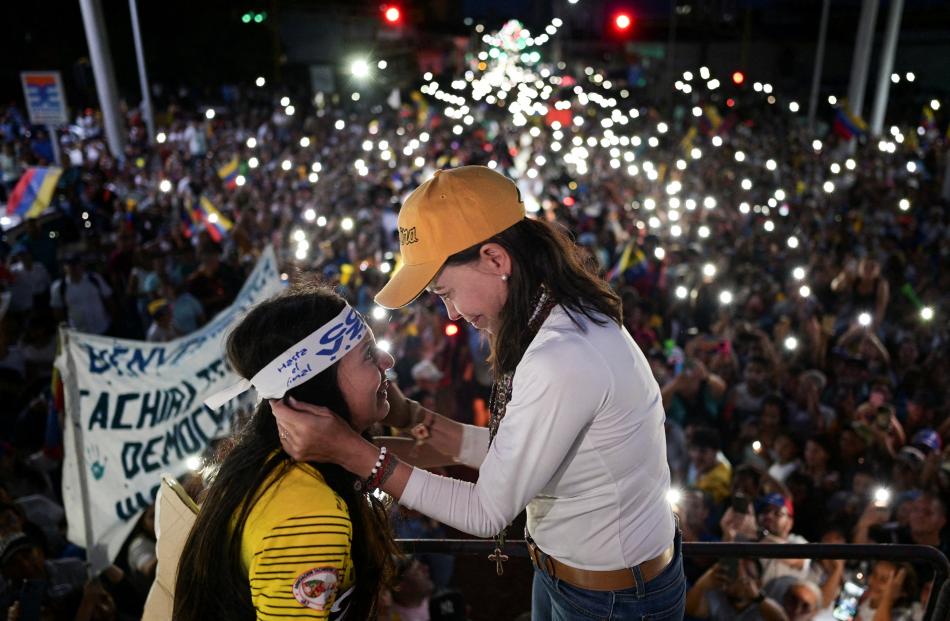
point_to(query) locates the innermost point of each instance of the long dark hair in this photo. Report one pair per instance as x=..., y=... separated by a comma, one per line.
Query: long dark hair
x=541, y=254
x=211, y=583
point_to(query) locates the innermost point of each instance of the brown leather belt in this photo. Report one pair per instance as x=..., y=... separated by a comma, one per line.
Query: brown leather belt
x=613, y=580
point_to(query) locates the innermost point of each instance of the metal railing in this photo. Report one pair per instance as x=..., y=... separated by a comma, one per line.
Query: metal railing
x=938, y=605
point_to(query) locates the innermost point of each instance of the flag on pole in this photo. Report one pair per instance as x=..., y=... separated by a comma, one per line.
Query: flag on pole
x=847, y=124
x=33, y=192
x=186, y=219
x=229, y=173
x=633, y=259
x=217, y=223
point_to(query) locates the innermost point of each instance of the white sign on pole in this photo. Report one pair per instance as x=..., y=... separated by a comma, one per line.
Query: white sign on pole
x=45, y=97
x=134, y=410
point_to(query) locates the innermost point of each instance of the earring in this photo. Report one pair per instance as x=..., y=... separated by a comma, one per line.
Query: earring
x=504, y=277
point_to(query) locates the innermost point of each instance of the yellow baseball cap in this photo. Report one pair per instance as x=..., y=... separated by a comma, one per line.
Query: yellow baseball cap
x=450, y=212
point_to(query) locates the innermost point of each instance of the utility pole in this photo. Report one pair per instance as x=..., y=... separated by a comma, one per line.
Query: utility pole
x=887, y=66
x=147, y=110
x=862, y=56
x=101, y=58
x=819, y=65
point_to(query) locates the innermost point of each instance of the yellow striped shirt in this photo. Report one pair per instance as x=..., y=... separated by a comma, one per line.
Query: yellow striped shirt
x=296, y=548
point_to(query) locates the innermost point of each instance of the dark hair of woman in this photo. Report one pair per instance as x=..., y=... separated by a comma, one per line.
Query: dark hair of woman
x=541, y=255
x=211, y=582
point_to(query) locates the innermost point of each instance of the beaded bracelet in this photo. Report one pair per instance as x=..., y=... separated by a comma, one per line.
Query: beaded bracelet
x=360, y=485
x=378, y=479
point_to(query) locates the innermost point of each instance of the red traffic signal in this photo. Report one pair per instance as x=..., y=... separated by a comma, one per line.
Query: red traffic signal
x=738, y=77
x=622, y=21
x=392, y=14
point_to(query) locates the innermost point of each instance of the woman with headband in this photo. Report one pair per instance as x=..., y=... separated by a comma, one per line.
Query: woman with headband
x=576, y=433
x=274, y=538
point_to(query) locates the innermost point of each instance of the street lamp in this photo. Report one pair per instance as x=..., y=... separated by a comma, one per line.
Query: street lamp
x=359, y=68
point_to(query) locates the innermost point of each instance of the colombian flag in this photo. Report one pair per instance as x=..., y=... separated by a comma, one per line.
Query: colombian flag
x=229, y=173
x=217, y=223
x=847, y=125
x=33, y=192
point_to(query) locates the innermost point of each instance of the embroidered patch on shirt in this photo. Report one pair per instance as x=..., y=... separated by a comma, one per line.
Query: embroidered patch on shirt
x=315, y=588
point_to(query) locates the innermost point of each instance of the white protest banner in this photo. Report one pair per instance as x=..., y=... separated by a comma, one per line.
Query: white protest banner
x=135, y=410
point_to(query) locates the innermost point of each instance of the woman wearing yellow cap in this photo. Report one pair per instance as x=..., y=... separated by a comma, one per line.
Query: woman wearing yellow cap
x=576, y=433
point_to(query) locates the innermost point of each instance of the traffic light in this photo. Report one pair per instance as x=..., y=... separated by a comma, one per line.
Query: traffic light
x=622, y=22
x=738, y=78
x=392, y=14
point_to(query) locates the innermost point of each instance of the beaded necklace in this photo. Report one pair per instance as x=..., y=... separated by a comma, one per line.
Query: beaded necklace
x=501, y=395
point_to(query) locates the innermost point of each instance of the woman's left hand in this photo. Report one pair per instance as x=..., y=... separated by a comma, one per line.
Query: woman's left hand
x=311, y=433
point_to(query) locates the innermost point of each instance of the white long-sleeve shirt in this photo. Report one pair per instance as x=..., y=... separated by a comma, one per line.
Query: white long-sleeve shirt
x=582, y=446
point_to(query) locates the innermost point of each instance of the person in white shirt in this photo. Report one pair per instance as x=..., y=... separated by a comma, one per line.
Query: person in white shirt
x=576, y=434
x=772, y=522
x=34, y=274
x=786, y=457
x=82, y=298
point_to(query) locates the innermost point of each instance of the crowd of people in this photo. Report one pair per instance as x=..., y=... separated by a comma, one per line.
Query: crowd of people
x=786, y=288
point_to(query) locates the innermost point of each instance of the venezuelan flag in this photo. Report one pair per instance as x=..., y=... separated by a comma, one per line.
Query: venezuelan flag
x=229, y=173
x=33, y=192
x=847, y=125
x=217, y=223
x=188, y=225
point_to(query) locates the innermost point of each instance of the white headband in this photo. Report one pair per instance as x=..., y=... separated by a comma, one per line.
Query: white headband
x=311, y=356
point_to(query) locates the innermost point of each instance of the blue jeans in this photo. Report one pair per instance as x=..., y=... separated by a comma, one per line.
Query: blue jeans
x=662, y=598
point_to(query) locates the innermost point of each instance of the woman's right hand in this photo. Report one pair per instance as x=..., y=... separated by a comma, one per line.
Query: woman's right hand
x=312, y=433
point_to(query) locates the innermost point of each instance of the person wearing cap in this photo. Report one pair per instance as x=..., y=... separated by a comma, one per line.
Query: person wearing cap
x=576, y=434
x=162, y=330
x=771, y=522
x=776, y=518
